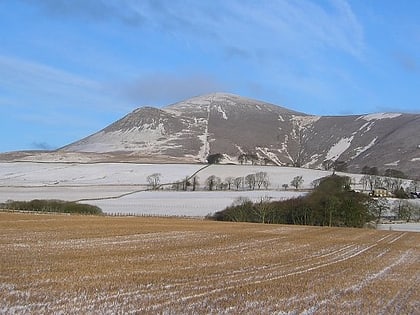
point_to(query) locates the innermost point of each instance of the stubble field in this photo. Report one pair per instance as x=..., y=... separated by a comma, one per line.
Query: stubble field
x=107, y=265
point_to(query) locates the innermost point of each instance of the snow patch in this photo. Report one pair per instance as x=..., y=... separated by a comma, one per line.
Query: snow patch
x=367, y=125
x=304, y=121
x=314, y=160
x=205, y=148
x=339, y=148
x=378, y=116
x=360, y=150
x=220, y=110
x=415, y=159
x=270, y=155
x=395, y=163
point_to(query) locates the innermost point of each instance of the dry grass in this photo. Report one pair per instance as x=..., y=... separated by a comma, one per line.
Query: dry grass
x=79, y=264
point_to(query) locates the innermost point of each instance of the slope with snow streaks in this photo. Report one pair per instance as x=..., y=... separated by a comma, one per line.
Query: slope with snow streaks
x=339, y=148
x=232, y=125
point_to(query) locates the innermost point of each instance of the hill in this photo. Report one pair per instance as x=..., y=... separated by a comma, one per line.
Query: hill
x=234, y=126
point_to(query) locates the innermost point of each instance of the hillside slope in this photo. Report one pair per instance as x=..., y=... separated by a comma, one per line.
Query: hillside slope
x=233, y=125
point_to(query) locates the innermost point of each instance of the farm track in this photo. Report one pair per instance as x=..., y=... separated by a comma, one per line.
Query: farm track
x=75, y=264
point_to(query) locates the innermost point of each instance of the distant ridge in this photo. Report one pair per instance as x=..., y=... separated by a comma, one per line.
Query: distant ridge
x=232, y=125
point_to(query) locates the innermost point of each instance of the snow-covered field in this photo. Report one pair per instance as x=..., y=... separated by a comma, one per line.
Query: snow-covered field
x=412, y=227
x=74, y=174
x=190, y=203
x=119, y=187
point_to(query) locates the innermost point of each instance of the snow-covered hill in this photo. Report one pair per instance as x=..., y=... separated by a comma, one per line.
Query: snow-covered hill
x=234, y=126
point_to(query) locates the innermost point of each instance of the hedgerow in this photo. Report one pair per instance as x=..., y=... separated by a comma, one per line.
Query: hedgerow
x=59, y=206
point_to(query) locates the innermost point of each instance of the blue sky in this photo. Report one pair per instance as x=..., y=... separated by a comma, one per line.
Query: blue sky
x=70, y=67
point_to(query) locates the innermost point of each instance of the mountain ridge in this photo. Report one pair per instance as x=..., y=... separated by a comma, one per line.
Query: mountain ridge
x=232, y=125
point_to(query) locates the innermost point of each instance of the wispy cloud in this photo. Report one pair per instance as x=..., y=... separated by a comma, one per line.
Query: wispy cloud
x=265, y=39
x=241, y=24
x=49, y=86
x=16, y=70
x=96, y=10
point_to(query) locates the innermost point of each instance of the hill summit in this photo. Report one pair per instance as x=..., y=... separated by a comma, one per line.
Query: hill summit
x=238, y=127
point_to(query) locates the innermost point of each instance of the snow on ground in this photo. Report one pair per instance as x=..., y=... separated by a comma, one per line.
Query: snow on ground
x=42, y=174
x=395, y=163
x=69, y=193
x=122, y=185
x=339, y=148
x=378, y=116
x=406, y=227
x=220, y=110
x=360, y=150
x=190, y=203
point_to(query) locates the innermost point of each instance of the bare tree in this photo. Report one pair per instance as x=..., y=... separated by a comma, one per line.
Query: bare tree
x=378, y=208
x=229, y=181
x=219, y=184
x=154, y=180
x=250, y=181
x=368, y=180
x=285, y=186
x=261, y=179
x=378, y=181
x=297, y=181
x=195, y=183
x=185, y=183
x=238, y=181
x=403, y=210
x=262, y=209
x=211, y=182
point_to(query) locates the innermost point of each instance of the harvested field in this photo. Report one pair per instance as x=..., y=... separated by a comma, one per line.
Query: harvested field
x=87, y=264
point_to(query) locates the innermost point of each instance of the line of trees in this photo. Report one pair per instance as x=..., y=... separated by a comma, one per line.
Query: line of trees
x=243, y=158
x=390, y=172
x=258, y=180
x=331, y=203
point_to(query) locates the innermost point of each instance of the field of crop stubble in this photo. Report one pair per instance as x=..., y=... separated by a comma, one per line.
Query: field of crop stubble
x=88, y=264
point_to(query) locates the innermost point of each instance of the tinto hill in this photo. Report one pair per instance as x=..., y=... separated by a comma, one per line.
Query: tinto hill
x=244, y=130
x=331, y=203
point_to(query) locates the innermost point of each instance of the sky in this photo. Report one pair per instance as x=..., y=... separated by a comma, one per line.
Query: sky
x=69, y=68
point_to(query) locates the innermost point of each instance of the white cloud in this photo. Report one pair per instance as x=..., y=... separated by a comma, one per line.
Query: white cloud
x=36, y=84
x=22, y=71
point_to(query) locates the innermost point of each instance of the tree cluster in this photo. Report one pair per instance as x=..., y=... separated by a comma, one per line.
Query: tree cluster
x=331, y=203
x=251, y=181
x=390, y=172
x=392, y=184
x=214, y=158
x=188, y=183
